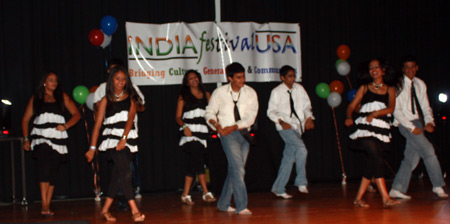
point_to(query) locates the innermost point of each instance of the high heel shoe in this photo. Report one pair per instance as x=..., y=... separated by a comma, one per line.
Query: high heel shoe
x=361, y=203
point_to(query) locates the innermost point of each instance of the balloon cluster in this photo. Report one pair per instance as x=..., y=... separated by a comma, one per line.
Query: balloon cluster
x=102, y=37
x=332, y=92
x=81, y=94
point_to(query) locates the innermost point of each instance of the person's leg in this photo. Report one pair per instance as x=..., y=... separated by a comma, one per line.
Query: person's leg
x=136, y=214
x=105, y=210
x=300, y=161
x=44, y=189
x=284, y=172
x=236, y=149
x=362, y=188
x=427, y=153
x=409, y=163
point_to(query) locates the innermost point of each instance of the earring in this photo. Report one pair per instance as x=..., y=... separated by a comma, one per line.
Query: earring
x=45, y=84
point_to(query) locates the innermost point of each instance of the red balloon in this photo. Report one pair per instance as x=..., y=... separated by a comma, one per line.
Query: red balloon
x=92, y=89
x=343, y=52
x=337, y=86
x=96, y=37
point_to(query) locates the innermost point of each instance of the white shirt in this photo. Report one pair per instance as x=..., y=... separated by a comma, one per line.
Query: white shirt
x=402, y=113
x=221, y=107
x=280, y=106
x=101, y=92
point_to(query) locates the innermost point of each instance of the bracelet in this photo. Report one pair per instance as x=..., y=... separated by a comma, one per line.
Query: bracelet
x=25, y=138
x=65, y=126
x=124, y=137
x=184, y=126
x=92, y=147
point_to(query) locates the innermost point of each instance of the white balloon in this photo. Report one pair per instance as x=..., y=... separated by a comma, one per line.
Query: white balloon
x=343, y=68
x=334, y=99
x=106, y=40
x=90, y=101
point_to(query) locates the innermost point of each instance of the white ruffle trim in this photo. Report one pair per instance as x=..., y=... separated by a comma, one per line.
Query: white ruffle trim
x=200, y=128
x=132, y=134
x=365, y=133
x=49, y=118
x=372, y=106
x=49, y=133
x=61, y=149
x=112, y=143
x=375, y=122
x=122, y=116
x=194, y=113
x=185, y=139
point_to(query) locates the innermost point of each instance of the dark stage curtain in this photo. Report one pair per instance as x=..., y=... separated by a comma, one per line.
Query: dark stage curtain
x=39, y=35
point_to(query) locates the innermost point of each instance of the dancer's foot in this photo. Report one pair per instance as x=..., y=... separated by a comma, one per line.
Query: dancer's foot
x=390, y=202
x=361, y=203
x=138, y=217
x=187, y=200
x=108, y=217
x=245, y=212
x=47, y=212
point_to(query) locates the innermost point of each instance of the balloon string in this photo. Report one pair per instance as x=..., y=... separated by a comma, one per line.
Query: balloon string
x=94, y=165
x=339, y=144
x=349, y=83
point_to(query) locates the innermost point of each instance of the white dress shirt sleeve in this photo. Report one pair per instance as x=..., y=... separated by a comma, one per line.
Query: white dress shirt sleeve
x=212, y=109
x=425, y=103
x=272, y=110
x=248, y=115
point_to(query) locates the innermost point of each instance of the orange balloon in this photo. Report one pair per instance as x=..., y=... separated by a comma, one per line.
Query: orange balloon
x=337, y=86
x=343, y=52
x=92, y=89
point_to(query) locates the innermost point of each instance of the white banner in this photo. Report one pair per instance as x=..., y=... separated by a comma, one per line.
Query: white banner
x=160, y=54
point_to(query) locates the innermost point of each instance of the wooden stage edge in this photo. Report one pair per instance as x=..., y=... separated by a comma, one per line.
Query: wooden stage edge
x=326, y=203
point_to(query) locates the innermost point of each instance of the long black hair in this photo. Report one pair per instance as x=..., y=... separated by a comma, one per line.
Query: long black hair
x=185, y=91
x=390, y=77
x=39, y=94
x=128, y=88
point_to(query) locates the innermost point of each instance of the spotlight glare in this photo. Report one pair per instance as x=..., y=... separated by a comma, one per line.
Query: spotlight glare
x=442, y=97
x=7, y=102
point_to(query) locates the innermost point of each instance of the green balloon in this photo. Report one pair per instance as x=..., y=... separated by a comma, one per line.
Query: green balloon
x=323, y=90
x=337, y=62
x=80, y=93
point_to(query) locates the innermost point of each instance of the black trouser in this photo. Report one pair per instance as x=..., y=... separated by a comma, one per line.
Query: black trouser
x=48, y=161
x=196, y=159
x=121, y=174
x=375, y=150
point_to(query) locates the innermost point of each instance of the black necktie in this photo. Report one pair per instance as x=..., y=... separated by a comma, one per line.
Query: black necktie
x=415, y=101
x=291, y=101
x=237, y=116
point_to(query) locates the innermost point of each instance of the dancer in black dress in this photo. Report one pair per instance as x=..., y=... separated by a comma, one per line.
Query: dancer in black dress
x=377, y=98
x=117, y=111
x=190, y=116
x=49, y=133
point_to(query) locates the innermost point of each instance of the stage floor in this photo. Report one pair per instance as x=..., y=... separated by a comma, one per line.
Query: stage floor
x=326, y=203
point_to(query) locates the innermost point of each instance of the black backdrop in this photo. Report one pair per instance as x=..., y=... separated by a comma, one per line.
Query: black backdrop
x=37, y=35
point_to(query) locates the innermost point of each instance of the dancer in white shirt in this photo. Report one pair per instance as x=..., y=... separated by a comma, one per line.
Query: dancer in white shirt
x=231, y=111
x=291, y=111
x=414, y=115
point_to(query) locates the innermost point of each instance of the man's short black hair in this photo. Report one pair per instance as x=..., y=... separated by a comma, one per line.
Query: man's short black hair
x=409, y=58
x=285, y=69
x=234, y=68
